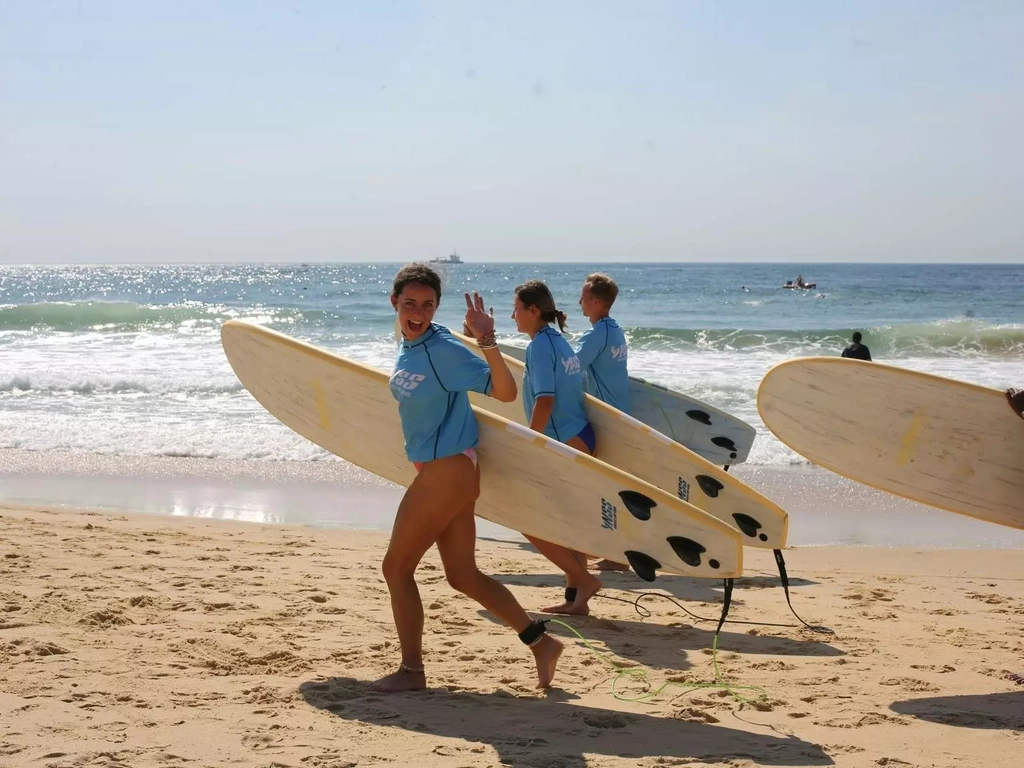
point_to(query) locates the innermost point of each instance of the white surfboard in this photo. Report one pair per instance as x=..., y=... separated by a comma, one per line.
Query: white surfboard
x=717, y=436
x=947, y=443
x=529, y=483
x=639, y=450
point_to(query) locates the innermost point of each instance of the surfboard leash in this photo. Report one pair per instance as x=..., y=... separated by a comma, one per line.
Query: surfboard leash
x=784, y=577
x=641, y=674
x=780, y=561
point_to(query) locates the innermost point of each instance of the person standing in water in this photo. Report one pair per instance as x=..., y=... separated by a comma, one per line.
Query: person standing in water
x=603, y=354
x=856, y=350
x=432, y=377
x=553, y=403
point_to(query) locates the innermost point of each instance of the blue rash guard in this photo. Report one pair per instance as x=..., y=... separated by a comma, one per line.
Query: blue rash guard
x=432, y=377
x=602, y=352
x=552, y=368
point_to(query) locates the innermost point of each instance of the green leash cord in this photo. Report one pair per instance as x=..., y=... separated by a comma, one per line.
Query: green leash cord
x=640, y=673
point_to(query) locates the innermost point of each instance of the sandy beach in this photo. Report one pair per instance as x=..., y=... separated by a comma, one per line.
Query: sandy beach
x=210, y=344
x=135, y=640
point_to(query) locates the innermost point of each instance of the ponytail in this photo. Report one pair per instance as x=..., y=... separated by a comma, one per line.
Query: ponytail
x=556, y=315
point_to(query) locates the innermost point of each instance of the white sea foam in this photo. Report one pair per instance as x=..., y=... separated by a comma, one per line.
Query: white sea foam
x=175, y=394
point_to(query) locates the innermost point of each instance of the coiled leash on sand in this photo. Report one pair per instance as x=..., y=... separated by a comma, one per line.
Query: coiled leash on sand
x=640, y=674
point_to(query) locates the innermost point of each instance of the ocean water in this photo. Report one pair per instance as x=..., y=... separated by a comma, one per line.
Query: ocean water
x=126, y=360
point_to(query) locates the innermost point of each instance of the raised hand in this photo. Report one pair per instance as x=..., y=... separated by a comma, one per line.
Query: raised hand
x=478, y=323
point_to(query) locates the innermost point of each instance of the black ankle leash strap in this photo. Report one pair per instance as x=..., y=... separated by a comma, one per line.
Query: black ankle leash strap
x=532, y=633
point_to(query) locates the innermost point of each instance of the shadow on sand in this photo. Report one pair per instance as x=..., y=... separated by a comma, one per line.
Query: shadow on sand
x=999, y=711
x=662, y=647
x=550, y=731
x=761, y=589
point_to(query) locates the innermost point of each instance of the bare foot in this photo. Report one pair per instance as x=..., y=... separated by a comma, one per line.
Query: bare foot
x=578, y=607
x=402, y=680
x=1016, y=399
x=609, y=565
x=560, y=608
x=546, y=653
x=584, y=592
x=1018, y=679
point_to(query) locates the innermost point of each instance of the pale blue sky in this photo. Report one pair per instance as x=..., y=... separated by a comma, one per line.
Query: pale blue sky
x=548, y=131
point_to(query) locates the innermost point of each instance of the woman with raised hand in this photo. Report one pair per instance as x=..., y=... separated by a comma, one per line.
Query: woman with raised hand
x=433, y=375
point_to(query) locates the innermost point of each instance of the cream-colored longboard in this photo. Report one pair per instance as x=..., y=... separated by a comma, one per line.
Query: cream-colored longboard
x=636, y=448
x=713, y=434
x=529, y=483
x=947, y=443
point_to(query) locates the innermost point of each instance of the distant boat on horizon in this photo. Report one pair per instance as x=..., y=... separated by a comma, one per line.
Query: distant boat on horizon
x=453, y=259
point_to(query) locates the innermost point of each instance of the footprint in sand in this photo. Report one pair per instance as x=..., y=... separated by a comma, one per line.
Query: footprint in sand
x=264, y=694
x=7, y=749
x=909, y=684
x=328, y=760
x=841, y=749
x=694, y=715
x=106, y=618
x=875, y=718
x=222, y=660
x=143, y=601
x=768, y=705
x=818, y=680
x=773, y=666
x=607, y=719
x=990, y=599
x=25, y=647
x=11, y=601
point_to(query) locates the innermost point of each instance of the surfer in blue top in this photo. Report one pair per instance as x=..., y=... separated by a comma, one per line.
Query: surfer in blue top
x=432, y=376
x=603, y=352
x=553, y=402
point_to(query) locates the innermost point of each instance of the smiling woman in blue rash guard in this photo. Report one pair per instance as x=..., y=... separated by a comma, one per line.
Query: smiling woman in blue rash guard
x=553, y=401
x=433, y=374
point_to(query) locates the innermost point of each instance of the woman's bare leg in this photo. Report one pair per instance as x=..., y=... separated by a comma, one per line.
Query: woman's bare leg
x=439, y=491
x=457, y=546
x=572, y=564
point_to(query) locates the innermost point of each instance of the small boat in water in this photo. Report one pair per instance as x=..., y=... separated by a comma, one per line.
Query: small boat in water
x=799, y=284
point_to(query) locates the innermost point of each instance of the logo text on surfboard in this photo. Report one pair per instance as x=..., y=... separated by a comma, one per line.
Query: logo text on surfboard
x=609, y=519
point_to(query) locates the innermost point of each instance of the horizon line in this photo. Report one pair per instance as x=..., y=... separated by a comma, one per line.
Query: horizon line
x=505, y=263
